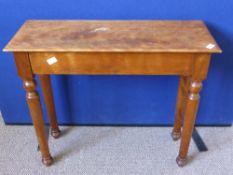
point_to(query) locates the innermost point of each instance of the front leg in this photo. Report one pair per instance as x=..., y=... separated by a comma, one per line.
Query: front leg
x=33, y=100
x=199, y=73
x=189, y=120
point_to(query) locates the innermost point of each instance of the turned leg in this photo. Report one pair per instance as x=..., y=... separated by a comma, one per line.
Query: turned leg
x=199, y=69
x=180, y=107
x=37, y=119
x=33, y=100
x=50, y=107
x=189, y=120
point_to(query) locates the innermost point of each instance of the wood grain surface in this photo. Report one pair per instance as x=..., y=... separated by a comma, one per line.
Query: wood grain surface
x=113, y=36
x=114, y=48
x=112, y=63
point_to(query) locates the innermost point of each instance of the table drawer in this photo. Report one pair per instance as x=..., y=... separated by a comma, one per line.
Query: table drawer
x=111, y=63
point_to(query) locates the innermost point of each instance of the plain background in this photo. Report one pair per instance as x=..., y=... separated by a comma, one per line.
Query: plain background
x=136, y=100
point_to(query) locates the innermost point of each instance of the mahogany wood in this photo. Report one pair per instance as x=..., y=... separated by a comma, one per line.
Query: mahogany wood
x=113, y=36
x=112, y=63
x=180, y=106
x=50, y=107
x=24, y=70
x=179, y=48
x=200, y=70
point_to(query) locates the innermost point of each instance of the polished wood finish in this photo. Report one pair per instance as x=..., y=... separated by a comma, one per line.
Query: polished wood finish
x=112, y=36
x=180, y=106
x=200, y=70
x=24, y=70
x=112, y=63
x=50, y=107
x=190, y=115
x=179, y=48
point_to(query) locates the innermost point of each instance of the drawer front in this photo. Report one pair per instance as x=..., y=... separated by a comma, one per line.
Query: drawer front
x=111, y=63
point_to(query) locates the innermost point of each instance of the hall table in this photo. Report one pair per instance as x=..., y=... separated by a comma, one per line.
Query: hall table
x=101, y=47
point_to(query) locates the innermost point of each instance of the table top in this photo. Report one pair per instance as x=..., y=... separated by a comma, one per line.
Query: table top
x=113, y=36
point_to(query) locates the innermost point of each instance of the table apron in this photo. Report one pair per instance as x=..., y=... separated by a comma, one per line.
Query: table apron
x=111, y=63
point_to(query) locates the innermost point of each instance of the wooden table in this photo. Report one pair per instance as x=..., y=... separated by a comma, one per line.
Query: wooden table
x=46, y=47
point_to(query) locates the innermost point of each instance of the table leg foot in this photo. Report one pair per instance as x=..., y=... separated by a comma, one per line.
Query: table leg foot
x=181, y=162
x=55, y=133
x=47, y=161
x=175, y=135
